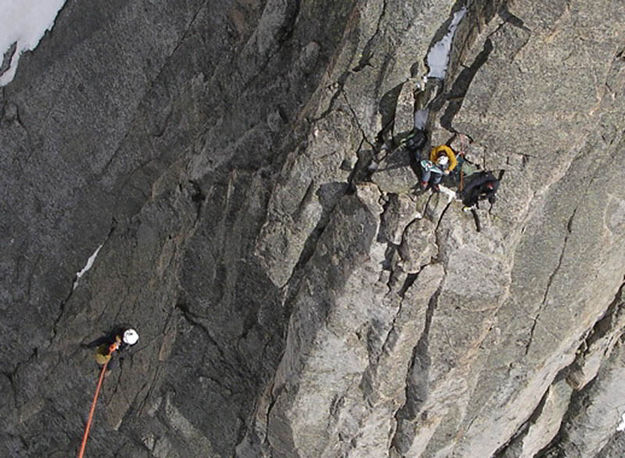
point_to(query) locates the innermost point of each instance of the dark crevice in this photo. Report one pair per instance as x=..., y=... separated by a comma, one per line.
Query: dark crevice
x=456, y=95
x=328, y=209
x=561, y=258
x=532, y=329
x=385, y=223
x=524, y=428
x=198, y=197
x=283, y=33
x=7, y=57
x=508, y=17
x=367, y=52
x=417, y=388
x=17, y=117
x=601, y=329
x=427, y=205
x=440, y=218
x=606, y=324
x=410, y=279
x=61, y=312
x=387, y=108
x=522, y=431
x=387, y=264
x=308, y=195
x=550, y=280
x=311, y=242
x=273, y=398
x=355, y=116
x=577, y=405
x=339, y=90
x=362, y=170
x=407, y=284
x=461, y=86
x=313, y=238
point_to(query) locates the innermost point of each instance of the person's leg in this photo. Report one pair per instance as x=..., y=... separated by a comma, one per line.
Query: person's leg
x=436, y=179
x=470, y=199
x=425, y=178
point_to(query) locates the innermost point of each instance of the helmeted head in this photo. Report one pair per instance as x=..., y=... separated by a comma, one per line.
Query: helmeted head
x=130, y=337
x=442, y=160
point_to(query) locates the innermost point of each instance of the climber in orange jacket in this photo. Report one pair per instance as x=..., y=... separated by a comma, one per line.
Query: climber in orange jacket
x=442, y=161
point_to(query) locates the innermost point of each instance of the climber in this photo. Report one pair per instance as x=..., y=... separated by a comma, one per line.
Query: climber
x=442, y=161
x=118, y=340
x=483, y=186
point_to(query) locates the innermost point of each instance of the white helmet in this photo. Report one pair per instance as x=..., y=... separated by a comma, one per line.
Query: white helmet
x=130, y=337
x=443, y=160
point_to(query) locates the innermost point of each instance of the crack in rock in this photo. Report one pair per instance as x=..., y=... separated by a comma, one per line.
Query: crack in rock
x=550, y=280
x=416, y=383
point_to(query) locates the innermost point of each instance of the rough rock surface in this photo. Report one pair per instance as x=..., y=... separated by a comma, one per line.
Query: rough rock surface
x=238, y=165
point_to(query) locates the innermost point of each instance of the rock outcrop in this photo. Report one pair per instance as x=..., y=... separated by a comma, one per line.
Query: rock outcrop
x=235, y=172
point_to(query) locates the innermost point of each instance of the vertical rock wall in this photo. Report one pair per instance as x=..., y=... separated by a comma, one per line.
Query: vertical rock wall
x=294, y=295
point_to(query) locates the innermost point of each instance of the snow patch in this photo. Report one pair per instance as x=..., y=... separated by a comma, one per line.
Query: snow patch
x=621, y=426
x=88, y=266
x=421, y=119
x=438, y=57
x=23, y=23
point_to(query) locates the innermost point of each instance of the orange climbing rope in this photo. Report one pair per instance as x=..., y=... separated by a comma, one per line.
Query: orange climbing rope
x=112, y=348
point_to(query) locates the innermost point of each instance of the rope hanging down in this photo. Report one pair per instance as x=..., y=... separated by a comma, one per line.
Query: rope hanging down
x=111, y=350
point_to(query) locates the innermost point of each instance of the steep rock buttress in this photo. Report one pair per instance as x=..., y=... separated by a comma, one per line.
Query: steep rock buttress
x=236, y=164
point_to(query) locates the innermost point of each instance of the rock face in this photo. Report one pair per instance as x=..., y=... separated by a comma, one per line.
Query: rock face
x=236, y=165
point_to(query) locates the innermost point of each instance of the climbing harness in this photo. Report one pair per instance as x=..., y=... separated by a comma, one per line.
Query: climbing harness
x=111, y=349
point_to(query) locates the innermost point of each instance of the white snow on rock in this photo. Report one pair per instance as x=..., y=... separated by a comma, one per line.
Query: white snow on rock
x=421, y=119
x=23, y=23
x=438, y=57
x=87, y=266
x=621, y=426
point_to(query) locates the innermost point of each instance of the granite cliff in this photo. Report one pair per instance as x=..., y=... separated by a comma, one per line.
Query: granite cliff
x=234, y=164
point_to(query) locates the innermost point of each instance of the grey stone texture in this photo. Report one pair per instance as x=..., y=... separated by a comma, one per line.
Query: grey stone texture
x=241, y=166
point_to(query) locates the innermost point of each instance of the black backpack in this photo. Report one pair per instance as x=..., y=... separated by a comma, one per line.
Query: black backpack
x=416, y=140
